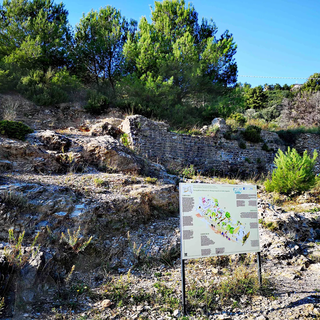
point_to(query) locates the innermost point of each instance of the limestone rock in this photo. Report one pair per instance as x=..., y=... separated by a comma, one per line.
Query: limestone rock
x=107, y=152
x=50, y=140
x=5, y=165
x=221, y=124
x=107, y=128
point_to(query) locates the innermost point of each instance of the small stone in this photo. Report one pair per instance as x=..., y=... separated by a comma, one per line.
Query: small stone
x=61, y=213
x=106, y=303
x=176, y=313
x=139, y=308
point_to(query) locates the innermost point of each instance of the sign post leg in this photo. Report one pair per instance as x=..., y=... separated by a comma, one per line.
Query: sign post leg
x=183, y=284
x=259, y=268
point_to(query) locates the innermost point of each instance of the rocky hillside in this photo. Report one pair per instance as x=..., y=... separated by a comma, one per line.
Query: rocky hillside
x=108, y=241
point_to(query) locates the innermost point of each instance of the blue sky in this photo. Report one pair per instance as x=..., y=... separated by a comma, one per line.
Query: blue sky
x=274, y=38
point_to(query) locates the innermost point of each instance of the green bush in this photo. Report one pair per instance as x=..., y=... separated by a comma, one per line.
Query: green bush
x=228, y=135
x=242, y=145
x=97, y=103
x=252, y=134
x=48, y=88
x=12, y=129
x=293, y=173
x=9, y=77
x=266, y=148
x=239, y=117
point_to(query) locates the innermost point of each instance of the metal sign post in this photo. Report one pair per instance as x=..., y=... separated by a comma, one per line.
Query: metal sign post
x=183, y=285
x=259, y=268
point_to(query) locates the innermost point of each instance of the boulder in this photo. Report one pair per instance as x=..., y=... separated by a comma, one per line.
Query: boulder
x=221, y=124
x=106, y=152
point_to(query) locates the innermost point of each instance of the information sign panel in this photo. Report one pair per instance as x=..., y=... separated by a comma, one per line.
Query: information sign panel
x=218, y=219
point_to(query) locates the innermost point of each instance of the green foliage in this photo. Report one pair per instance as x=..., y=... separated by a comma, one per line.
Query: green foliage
x=229, y=136
x=265, y=147
x=255, y=98
x=252, y=134
x=242, y=282
x=212, y=130
x=75, y=241
x=275, y=97
x=5, y=80
x=289, y=136
x=242, y=145
x=271, y=225
x=13, y=129
x=238, y=117
x=97, y=103
x=293, y=173
x=48, y=88
x=9, y=77
x=99, y=39
x=151, y=180
x=15, y=255
x=231, y=101
x=125, y=140
x=312, y=84
x=34, y=34
x=177, y=60
x=188, y=172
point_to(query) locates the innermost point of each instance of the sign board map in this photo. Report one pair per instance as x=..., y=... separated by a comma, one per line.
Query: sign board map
x=218, y=219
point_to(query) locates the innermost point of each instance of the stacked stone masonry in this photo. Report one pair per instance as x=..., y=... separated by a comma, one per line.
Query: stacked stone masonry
x=207, y=153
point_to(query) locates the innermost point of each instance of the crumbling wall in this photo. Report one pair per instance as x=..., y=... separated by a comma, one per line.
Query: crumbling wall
x=207, y=153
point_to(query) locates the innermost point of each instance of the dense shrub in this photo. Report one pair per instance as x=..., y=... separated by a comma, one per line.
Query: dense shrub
x=9, y=77
x=242, y=145
x=293, y=173
x=5, y=80
x=252, y=134
x=313, y=83
x=288, y=136
x=12, y=129
x=47, y=88
x=238, y=117
x=97, y=103
x=270, y=113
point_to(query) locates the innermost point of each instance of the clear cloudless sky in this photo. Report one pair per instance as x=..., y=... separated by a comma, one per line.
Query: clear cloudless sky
x=275, y=38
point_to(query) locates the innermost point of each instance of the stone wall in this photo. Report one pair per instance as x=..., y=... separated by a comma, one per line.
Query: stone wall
x=207, y=153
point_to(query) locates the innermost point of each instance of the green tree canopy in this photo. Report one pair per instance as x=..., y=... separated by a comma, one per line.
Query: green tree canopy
x=312, y=84
x=34, y=34
x=99, y=40
x=255, y=97
x=178, y=59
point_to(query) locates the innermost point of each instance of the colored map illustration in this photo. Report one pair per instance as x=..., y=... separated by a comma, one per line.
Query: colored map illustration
x=221, y=221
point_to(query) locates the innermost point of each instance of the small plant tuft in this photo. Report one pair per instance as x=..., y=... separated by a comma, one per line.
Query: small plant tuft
x=151, y=180
x=189, y=172
x=125, y=140
x=15, y=255
x=75, y=241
